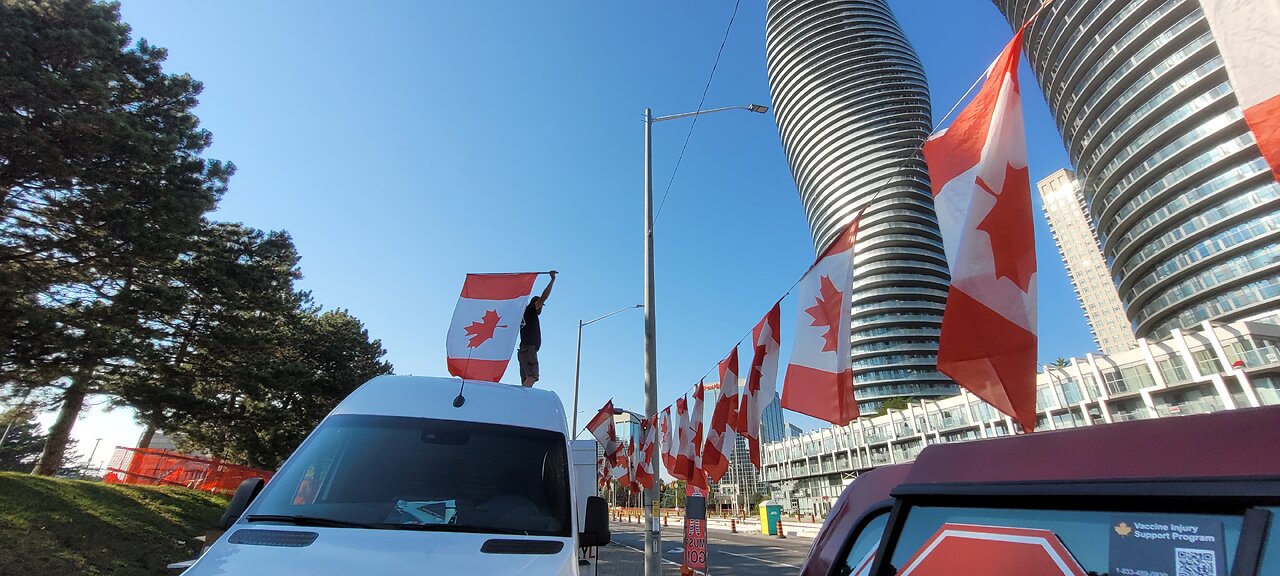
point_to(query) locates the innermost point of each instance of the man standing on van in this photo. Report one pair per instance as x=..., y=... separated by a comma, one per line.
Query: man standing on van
x=531, y=336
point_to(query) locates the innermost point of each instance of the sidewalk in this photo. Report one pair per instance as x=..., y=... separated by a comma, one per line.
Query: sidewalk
x=747, y=526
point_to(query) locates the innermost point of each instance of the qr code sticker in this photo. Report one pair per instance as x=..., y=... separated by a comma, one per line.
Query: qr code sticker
x=1190, y=562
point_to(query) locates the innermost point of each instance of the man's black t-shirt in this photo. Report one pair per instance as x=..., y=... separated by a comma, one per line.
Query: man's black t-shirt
x=530, y=331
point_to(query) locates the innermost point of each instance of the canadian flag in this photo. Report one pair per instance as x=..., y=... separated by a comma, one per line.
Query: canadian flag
x=1248, y=35
x=644, y=457
x=485, y=324
x=680, y=457
x=601, y=426
x=622, y=469
x=720, y=436
x=632, y=460
x=819, y=379
x=762, y=381
x=982, y=195
x=670, y=441
x=689, y=460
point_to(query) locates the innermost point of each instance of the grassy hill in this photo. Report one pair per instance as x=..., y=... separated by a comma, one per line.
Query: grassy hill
x=56, y=527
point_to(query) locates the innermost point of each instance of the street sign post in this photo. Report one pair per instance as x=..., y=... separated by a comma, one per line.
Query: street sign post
x=695, y=534
x=992, y=551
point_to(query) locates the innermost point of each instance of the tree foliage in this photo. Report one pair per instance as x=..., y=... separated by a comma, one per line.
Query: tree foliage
x=112, y=279
x=256, y=409
x=896, y=403
x=25, y=440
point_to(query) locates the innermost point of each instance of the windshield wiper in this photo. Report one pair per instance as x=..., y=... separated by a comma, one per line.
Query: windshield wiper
x=310, y=521
x=455, y=528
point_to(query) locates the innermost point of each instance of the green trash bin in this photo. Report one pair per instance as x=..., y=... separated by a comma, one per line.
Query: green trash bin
x=770, y=515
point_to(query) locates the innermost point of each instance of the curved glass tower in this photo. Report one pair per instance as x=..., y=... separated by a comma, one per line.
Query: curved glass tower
x=852, y=108
x=1186, y=210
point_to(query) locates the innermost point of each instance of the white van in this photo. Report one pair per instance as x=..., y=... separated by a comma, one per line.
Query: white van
x=410, y=476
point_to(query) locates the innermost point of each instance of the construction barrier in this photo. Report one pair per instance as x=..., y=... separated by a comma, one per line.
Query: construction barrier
x=161, y=467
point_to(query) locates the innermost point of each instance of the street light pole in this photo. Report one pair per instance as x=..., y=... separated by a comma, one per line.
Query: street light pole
x=577, y=362
x=652, y=538
x=652, y=532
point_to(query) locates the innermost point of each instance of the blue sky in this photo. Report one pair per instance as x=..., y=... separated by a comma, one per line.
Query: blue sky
x=404, y=144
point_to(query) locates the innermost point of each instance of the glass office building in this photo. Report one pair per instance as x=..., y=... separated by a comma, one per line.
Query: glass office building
x=1185, y=207
x=852, y=108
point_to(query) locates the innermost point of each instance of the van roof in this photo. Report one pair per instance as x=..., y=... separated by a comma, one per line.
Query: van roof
x=432, y=397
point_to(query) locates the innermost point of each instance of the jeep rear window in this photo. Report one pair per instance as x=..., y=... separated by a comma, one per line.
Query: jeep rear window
x=1086, y=534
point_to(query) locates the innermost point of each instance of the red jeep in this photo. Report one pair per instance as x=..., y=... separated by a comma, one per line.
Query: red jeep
x=1186, y=496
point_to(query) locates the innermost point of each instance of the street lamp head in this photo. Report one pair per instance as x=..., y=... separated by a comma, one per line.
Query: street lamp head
x=758, y=109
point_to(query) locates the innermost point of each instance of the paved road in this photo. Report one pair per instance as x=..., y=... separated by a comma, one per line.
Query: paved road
x=736, y=554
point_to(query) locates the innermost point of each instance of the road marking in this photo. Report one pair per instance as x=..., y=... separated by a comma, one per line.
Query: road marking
x=759, y=559
x=642, y=552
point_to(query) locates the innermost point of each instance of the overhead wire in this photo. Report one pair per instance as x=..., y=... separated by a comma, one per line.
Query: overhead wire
x=915, y=151
x=688, y=135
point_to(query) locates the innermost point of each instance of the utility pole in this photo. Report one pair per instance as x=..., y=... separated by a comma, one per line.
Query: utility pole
x=652, y=528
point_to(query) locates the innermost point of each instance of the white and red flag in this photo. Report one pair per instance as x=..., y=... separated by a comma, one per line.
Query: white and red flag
x=670, y=440
x=601, y=426
x=819, y=380
x=720, y=434
x=485, y=324
x=622, y=470
x=645, y=473
x=689, y=460
x=1248, y=35
x=762, y=381
x=682, y=453
x=982, y=195
x=632, y=460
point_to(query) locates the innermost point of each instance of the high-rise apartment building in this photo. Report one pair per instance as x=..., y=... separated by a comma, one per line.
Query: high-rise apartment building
x=1065, y=210
x=852, y=108
x=1186, y=210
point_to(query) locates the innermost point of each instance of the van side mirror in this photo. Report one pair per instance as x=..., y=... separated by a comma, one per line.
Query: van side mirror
x=245, y=493
x=595, y=529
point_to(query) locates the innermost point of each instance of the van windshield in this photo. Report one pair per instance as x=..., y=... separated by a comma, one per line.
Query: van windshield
x=402, y=473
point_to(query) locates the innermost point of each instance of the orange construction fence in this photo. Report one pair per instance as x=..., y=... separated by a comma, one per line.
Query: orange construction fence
x=162, y=467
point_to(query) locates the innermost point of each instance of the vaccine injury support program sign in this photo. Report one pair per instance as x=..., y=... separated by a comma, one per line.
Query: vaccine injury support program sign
x=1166, y=545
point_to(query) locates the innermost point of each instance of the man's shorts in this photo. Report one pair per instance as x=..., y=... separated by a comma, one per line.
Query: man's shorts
x=528, y=358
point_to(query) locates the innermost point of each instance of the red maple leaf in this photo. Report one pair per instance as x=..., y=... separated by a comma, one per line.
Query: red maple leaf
x=1009, y=225
x=826, y=312
x=479, y=332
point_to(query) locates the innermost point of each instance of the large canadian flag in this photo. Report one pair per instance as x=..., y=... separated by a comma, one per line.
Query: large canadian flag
x=485, y=324
x=762, y=381
x=1248, y=35
x=819, y=379
x=601, y=426
x=720, y=436
x=670, y=441
x=982, y=195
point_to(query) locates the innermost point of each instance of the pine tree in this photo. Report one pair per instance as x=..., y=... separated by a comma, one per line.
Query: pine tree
x=24, y=442
x=102, y=187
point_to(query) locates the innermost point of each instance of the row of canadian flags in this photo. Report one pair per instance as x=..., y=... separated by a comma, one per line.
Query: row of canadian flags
x=982, y=197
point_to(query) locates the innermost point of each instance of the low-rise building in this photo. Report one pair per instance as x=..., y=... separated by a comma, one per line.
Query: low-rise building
x=1217, y=367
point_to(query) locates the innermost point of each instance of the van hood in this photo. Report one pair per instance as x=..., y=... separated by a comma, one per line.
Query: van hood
x=284, y=550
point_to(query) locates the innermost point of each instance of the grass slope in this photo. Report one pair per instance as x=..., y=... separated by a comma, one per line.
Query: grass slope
x=56, y=527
